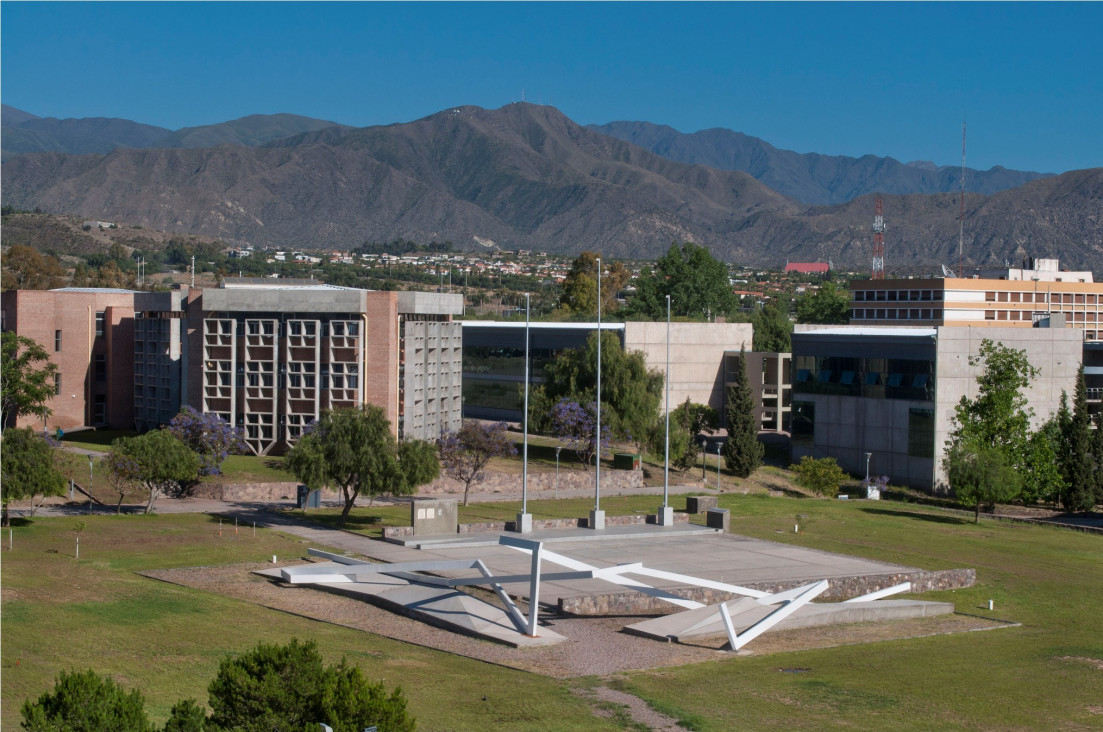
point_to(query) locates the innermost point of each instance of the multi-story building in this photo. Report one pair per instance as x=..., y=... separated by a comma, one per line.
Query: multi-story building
x=884, y=397
x=1014, y=298
x=270, y=357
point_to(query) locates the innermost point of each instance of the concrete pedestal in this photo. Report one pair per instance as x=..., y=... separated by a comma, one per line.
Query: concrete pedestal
x=665, y=516
x=597, y=520
x=718, y=518
x=524, y=523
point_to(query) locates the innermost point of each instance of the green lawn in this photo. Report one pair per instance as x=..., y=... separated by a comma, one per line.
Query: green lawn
x=59, y=613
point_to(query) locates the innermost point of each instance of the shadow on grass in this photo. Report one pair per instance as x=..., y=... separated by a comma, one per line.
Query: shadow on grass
x=918, y=515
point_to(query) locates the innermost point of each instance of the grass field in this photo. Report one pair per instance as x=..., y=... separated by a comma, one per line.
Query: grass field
x=59, y=613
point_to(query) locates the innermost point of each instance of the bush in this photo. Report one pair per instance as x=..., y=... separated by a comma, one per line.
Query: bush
x=821, y=476
x=82, y=701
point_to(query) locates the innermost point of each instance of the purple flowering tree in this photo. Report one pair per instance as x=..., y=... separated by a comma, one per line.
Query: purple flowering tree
x=577, y=425
x=209, y=436
x=464, y=454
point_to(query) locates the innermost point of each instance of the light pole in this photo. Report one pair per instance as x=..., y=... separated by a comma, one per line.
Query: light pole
x=704, y=457
x=557, y=471
x=718, y=446
x=597, y=516
x=868, y=456
x=524, y=519
x=89, y=484
x=666, y=513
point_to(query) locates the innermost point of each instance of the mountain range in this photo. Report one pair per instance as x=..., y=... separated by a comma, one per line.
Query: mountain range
x=526, y=176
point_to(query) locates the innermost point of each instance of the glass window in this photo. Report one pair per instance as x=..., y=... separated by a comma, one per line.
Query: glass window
x=57, y=384
x=803, y=423
x=100, y=366
x=57, y=341
x=99, y=322
x=921, y=433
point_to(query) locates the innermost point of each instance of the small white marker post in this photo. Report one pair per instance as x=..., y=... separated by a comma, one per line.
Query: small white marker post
x=254, y=529
x=78, y=555
x=991, y=605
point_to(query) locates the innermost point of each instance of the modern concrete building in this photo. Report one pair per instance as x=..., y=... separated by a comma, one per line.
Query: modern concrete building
x=1011, y=298
x=769, y=375
x=270, y=359
x=890, y=392
x=494, y=359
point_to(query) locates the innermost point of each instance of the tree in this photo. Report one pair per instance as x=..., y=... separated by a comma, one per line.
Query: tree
x=464, y=454
x=209, y=436
x=187, y=716
x=27, y=467
x=828, y=304
x=288, y=687
x=630, y=392
x=83, y=701
x=580, y=285
x=1079, y=471
x=1097, y=454
x=697, y=283
x=122, y=475
x=352, y=450
x=418, y=461
x=162, y=462
x=687, y=421
x=742, y=451
x=821, y=476
x=980, y=474
x=26, y=378
x=26, y=269
x=772, y=329
x=577, y=424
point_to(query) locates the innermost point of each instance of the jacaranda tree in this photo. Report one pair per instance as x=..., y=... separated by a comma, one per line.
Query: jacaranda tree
x=209, y=436
x=465, y=454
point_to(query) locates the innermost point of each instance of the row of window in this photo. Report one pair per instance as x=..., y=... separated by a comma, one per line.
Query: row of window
x=877, y=378
x=897, y=295
x=1056, y=298
x=896, y=314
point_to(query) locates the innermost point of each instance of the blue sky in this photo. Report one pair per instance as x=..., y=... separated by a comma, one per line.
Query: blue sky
x=843, y=79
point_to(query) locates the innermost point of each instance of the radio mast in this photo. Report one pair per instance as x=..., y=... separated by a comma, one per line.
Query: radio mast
x=878, y=241
x=961, y=217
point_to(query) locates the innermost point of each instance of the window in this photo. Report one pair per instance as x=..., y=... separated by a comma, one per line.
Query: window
x=803, y=423
x=100, y=361
x=57, y=384
x=99, y=322
x=921, y=433
x=57, y=341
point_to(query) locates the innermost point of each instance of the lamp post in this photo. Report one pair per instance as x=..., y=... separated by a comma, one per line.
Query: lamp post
x=666, y=513
x=89, y=484
x=868, y=456
x=524, y=519
x=557, y=449
x=718, y=446
x=597, y=516
x=704, y=456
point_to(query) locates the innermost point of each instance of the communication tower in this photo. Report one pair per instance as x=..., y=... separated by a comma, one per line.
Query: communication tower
x=878, y=241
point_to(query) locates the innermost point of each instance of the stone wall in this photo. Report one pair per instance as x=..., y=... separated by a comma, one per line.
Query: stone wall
x=842, y=588
x=254, y=491
x=612, y=482
x=398, y=532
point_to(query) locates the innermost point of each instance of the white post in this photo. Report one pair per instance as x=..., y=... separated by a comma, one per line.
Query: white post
x=524, y=519
x=666, y=512
x=718, y=446
x=78, y=546
x=597, y=516
x=557, y=449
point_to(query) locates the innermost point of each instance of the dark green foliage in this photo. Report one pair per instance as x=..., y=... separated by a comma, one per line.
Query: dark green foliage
x=742, y=451
x=288, y=687
x=580, y=286
x=161, y=462
x=1078, y=492
x=1097, y=455
x=187, y=716
x=354, y=450
x=630, y=392
x=821, y=476
x=772, y=329
x=687, y=421
x=418, y=461
x=28, y=467
x=696, y=281
x=26, y=378
x=980, y=474
x=827, y=304
x=83, y=701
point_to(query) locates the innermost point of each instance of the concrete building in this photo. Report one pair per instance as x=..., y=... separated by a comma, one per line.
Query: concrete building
x=891, y=391
x=1010, y=298
x=270, y=359
x=494, y=359
x=771, y=386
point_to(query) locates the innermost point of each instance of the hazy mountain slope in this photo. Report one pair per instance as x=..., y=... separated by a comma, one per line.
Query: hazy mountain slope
x=23, y=132
x=810, y=177
x=254, y=130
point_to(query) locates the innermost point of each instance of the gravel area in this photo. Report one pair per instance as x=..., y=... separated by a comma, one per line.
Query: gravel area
x=595, y=646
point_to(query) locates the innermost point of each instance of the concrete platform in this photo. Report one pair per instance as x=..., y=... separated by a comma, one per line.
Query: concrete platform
x=551, y=536
x=443, y=607
x=705, y=622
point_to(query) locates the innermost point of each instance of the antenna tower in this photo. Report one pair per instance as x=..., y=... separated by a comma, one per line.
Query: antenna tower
x=961, y=216
x=878, y=241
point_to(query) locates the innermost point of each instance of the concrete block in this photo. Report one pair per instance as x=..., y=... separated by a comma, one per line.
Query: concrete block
x=700, y=504
x=524, y=523
x=718, y=518
x=597, y=520
x=434, y=516
x=665, y=516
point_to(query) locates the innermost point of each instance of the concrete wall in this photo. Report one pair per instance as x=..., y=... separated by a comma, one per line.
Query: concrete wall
x=696, y=356
x=432, y=378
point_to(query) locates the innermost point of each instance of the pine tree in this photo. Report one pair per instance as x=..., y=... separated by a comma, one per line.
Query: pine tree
x=1080, y=488
x=1097, y=455
x=742, y=452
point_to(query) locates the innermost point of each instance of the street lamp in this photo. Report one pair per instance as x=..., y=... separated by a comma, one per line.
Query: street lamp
x=597, y=516
x=89, y=484
x=666, y=455
x=868, y=456
x=718, y=446
x=704, y=456
x=557, y=471
x=524, y=519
